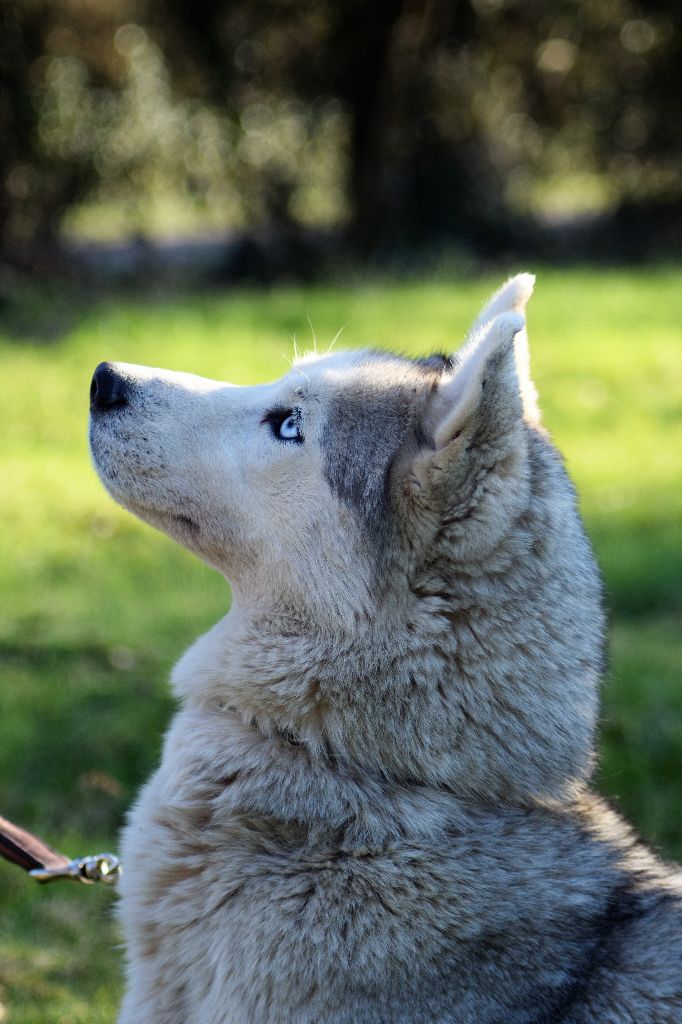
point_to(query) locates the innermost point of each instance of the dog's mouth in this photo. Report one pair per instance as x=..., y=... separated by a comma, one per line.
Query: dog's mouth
x=181, y=525
x=187, y=522
x=143, y=493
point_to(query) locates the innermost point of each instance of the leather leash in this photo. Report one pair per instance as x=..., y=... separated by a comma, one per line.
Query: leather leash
x=44, y=864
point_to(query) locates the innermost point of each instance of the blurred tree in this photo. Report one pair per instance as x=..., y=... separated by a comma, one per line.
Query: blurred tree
x=407, y=122
x=23, y=168
x=406, y=183
x=47, y=162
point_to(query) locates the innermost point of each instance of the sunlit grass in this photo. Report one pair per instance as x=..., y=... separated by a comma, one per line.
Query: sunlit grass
x=96, y=607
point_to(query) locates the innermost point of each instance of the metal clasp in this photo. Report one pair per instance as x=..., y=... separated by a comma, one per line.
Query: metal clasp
x=102, y=867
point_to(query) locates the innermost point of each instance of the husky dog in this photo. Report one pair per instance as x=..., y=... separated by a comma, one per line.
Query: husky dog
x=373, y=803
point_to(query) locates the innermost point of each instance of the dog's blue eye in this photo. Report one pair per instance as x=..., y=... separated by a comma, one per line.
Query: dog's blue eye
x=285, y=424
x=288, y=429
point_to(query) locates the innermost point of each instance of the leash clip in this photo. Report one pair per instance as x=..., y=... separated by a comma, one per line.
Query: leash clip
x=102, y=867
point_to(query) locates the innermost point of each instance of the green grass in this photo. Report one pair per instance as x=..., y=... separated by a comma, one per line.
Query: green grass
x=96, y=607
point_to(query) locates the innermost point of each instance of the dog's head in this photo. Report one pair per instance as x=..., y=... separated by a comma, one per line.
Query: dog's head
x=409, y=506
x=314, y=487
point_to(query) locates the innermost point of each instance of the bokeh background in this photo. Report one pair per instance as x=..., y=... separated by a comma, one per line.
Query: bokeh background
x=197, y=185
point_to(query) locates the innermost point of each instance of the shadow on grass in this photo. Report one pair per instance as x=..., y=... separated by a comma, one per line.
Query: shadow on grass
x=641, y=560
x=41, y=312
x=641, y=729
x=59, y=952
x=79, y=735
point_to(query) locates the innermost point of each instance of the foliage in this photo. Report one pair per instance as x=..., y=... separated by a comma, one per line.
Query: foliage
x=97, y=607
x=411, y=123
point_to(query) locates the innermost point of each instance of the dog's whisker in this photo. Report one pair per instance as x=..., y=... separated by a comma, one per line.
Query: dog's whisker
x=303, y=374
x=312, y=331
x=336, y=338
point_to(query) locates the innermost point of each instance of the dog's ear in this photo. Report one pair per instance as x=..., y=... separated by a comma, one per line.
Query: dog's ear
x=474, y=413
x=495, y=357
x=512, y=297
x=483, y=394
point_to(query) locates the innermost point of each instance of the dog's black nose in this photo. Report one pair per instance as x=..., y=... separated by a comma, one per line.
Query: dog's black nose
x=109, y=389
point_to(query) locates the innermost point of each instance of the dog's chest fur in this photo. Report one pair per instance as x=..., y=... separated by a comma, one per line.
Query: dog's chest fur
x=453, y=914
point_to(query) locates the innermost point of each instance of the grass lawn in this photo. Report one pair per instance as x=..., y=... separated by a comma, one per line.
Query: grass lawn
x=96, y=607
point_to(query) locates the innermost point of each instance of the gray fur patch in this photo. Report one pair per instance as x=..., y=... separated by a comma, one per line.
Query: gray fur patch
x=365, y=430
